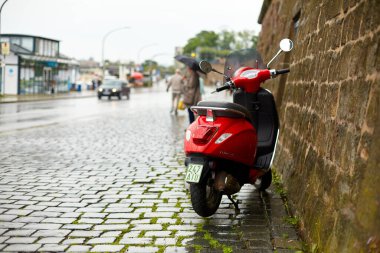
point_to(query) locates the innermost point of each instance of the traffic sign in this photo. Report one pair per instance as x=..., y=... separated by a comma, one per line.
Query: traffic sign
x=5, y=48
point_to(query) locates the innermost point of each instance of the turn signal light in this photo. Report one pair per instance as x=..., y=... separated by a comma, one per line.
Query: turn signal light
x=222, y=138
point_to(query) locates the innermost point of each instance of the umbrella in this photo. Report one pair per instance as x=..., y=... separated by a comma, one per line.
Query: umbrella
x=190, y=62
x=137, y=75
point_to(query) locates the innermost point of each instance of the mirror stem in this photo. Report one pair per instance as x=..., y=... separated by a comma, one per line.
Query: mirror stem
x=278, y=53
x=219, y=73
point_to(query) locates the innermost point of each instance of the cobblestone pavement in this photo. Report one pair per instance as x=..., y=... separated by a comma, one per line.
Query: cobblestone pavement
x=114, y=183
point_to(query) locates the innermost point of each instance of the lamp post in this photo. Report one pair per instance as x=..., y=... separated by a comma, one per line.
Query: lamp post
x=1, y=53
x=142, y=48
x=103, y=43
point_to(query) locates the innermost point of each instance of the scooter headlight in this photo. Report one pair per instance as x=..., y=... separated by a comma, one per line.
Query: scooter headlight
x=114, y=90
x=222, y=138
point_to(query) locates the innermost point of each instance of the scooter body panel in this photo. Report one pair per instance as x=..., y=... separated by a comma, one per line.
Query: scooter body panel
x=240, y=146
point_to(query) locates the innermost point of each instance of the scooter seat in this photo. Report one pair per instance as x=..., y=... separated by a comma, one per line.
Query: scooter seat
x=223, y=109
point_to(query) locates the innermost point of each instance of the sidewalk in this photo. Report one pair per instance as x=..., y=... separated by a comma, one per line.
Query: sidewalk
x=42, y=97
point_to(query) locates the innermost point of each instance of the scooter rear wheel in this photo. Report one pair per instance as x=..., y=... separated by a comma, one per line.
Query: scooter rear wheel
x=264, y=182
x=204, y=198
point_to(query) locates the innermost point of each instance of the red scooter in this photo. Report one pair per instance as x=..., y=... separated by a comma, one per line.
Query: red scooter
x=231, y=144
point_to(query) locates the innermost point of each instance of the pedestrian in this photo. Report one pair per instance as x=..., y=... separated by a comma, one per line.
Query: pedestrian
x=176, y=83
x=192, y=93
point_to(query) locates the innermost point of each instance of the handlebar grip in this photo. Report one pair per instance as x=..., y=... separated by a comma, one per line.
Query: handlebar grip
x=224, y=87
x=282, y=71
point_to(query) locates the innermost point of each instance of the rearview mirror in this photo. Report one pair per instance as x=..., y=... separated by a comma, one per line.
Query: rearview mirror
x=205, y=66
x=286, y=45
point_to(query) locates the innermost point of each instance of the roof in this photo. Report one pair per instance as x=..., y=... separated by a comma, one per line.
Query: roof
x=26, y=35
x=263, y=11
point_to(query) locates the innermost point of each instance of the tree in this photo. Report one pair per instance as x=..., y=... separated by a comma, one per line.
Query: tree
x=202, y=39
x=226, y=40
x=210, y=45
x=245, y=39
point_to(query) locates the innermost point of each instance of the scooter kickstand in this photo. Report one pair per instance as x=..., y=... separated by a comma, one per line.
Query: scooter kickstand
x=235, y=203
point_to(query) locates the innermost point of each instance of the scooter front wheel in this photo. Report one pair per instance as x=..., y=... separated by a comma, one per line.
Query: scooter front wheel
x=205, y=199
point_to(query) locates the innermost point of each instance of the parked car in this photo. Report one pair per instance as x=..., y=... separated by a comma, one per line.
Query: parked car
x=116, y=88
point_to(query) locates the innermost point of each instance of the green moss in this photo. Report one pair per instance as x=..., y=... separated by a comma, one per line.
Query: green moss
x=179, y=221
x=179, y=241
x=161, y=249
x=153, y=220
x=293, y=220
x=165, y=226
x=212, y=241
x=123, y=232
x=227, y=249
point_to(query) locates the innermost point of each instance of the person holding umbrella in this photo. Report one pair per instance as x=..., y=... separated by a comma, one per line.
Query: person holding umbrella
x=192, y=93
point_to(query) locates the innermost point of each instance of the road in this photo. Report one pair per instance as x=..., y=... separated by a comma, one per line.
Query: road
x=83, y=175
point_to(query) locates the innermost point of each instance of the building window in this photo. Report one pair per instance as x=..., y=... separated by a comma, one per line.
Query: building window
x=27, y=43
x=296, y=22
x=55, y=49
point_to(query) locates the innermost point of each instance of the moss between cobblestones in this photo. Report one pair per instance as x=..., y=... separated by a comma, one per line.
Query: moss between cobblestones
x=179, y=221
x=165, y=226
x=179, y=241
x=153, y=220
x=212, y=242
x=173, y=233
x=77, y=220
x=161, y=249
x=123, y=232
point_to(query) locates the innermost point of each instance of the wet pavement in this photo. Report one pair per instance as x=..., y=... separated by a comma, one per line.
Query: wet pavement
x=82, y=175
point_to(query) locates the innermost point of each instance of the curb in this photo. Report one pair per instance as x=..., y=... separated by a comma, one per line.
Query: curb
x=45, y=99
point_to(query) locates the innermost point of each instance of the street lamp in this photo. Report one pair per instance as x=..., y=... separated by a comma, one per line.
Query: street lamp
x=1, y=8
x=103, y=42
x=1, y=53
x=142, y=48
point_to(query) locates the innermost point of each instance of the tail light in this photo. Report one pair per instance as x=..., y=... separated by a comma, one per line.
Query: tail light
x=203, y=134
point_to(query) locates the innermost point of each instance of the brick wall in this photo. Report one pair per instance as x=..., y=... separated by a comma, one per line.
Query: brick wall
x=328, y=152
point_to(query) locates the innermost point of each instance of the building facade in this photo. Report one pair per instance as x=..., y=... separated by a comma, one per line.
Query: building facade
x=35, y=66
x=329, y=107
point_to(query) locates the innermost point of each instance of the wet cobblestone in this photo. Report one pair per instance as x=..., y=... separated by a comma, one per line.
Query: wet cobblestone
x=115, y=184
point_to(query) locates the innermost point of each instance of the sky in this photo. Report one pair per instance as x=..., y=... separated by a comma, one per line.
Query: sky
x=155, y=27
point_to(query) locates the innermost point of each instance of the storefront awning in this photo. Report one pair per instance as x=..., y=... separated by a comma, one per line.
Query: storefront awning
x=49, y=59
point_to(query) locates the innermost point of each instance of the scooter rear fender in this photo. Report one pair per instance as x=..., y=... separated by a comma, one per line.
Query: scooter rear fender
x=240, y=146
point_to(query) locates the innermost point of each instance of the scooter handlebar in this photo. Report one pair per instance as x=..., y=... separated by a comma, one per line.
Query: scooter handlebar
x=282, y=71
x=224, y=87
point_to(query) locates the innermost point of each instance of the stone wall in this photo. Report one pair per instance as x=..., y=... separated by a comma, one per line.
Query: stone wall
x=328, y=152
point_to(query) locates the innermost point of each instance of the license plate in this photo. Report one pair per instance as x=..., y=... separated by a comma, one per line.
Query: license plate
x=193, y=173
x=106, y=93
